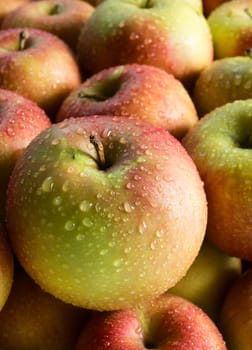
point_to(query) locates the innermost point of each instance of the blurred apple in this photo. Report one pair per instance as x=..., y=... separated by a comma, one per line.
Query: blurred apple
x=236, y=314
x=165, y=323
x=224, y=80
x=32, y=319
x=220, y=145
x=210, y=5
x=8, y=6
x=38, y=65
x=231, y=28
x=140, y=91
x=208, y=279
x=147, y=32
x=64, y=18
x=105, y=212
x=20, y=121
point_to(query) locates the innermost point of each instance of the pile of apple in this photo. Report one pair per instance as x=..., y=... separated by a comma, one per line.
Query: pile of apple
x=126, y=175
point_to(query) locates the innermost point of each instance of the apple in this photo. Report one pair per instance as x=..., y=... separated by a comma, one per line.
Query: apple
x=37, y=65
x=8, y=6
x=220, y=145
x=210, y=5
x=236, y=314
x=34, y=319
x=208, y=279
x=104, y=212
x=172, y=35
x=140, y=91
x=20, y=121
x=6, y=267
x=230, y=25
x=64, y=18
x=224, y=80
x=165, y=323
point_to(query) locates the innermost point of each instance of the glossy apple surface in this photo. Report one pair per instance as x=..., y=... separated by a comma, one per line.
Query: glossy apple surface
x=220, y=145
x=104, y=212
x=141, y=91
x=166, y=323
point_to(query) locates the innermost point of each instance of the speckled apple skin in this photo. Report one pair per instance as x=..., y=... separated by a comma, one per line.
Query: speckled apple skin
x=106, y=239
x=220, y=145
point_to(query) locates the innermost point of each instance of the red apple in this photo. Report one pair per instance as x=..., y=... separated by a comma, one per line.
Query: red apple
x=8, y=6
x=166, y=323
x=38, y=65
x=20, y=121
x=64, y=18
x=140, y=91
x=105, y=212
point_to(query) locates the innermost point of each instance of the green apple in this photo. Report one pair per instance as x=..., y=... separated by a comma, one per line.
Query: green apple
x=37, y=65
x=165, y=323
x=64, y=18
x=208, y=279
x=236, y=314
x=104, y=212
x=230, y=25
x=224, y=80
x=33, y=319
x=171, y=35
x=220, y=145
x=142, y=91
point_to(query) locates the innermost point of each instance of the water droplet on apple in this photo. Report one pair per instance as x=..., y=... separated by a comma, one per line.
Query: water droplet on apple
x=128, y=208
x=117, y=262
x=47, y=184
x=80, y=237
x=85, y=205
x=87, y=222
x=57, y=200
x=69, y=225
x=142, y=227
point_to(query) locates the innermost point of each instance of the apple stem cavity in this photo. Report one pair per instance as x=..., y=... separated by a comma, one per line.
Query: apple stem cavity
x=55, y=10
x=148, y=4
x=99, y=150
x=248, y=52
x=248, y=12
x=23, y=36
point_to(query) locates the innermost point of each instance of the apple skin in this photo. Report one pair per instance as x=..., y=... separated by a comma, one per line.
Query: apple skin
x=64, y=18
x=230, y=25
x=8, y=6
x=210, y=5
x=6, y=267
x=141, y=91
x=20, y=121
x=208, y=279
x=106, y=237
x=220, y=145
x=224, y=80
x=34, y=319
x=236, y=314
x=44, y=71
x=126, y=31
x=165, y=323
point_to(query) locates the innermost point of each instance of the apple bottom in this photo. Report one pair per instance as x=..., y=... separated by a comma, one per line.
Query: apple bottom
x=166, y=323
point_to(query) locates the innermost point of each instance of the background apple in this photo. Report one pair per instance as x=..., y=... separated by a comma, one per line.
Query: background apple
x=231, y=28
x=210, y=5
x=83, y=226
x=224, y=80
x=20, y=121
x=168, y=322
x=33, y=319
x=135, y=90
x=8, y=6
x=220, y=145
x=236, y=314
x=208, y=280
x=64, y=18
x=122, y=32
x=38, y=65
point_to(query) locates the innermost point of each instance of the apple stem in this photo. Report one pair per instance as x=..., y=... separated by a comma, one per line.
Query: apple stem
x=248, y=12
x=99, y=150
x=55, y=10
x=23, y=36
x=148, y=4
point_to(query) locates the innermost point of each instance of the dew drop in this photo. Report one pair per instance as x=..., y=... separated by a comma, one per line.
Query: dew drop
x=69, y=225
x=57, y=200
x=47, y=184
x=87, y=222
x=127, y=207
x=85, y=206
x=80, y=237
x=142, y=227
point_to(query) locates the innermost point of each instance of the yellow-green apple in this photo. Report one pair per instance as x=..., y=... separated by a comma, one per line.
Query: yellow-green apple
x=33, y=319
x=166, y=323
x=142, y=91
x=210, y=5
x=6, y=267
x=20, y=121
x=224, y=80
x=8, y=6
x=220, y=145
x=64, y=18
x=236, y=314
x=38, y=65
x=208, y=279
x=105, y=212
x=230, y=25
x=172, y=35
